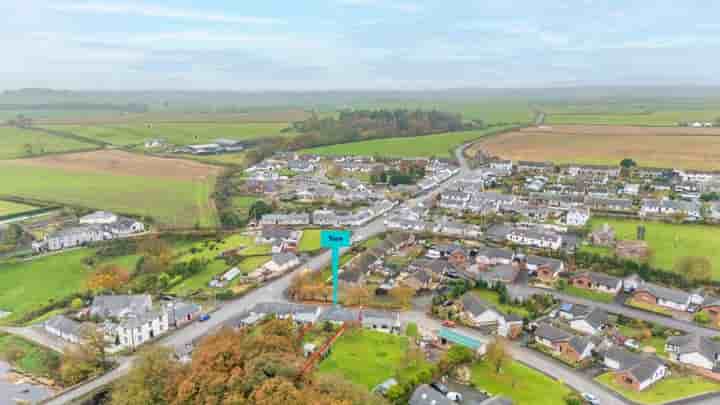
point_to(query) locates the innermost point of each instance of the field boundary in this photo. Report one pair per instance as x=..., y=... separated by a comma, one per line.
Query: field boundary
x=68, y=135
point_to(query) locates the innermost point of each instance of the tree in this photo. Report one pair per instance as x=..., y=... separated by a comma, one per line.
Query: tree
x=497, y=354
x=77, y=303
x=702, y=318
x=148, y=380
x=157, y=256
x=12, y=234
x=695, y=269
x=110, y=276
x=402, y=294
x=627, y=163
x=358, y=295
x=258, y=209
x=457, y=355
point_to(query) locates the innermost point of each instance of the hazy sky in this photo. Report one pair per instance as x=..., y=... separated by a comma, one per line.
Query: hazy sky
x=353, y=44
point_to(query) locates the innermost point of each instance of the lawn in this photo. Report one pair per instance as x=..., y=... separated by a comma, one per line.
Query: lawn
x=670, y=241
x=171, y=201
x=34, y=360
x=648, y=307
x=310, y=240
x=666, y=390
x=243, y=204
x=441, y=145
x=656, y=342
x=493, y=298
x=251, y=264
x=18, y=143
x=9, y=208
x=366, y=357
x=588, y=294
x=175, y=133
x=522, y=384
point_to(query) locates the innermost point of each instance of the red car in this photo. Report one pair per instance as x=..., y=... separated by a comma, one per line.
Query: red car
x=448, y=324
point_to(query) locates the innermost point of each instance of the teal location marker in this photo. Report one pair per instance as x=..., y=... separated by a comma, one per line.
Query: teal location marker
x=335, y=240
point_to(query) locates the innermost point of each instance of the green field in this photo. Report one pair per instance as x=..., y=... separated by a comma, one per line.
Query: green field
x=8, y=208
x=366, y=357
x=656, y=118
x=669, y=241
x=493, y=298
x=175, y=133
x=666, y=390
x=522, y=384
x=310, y=240
x=170, y=201
x=440, y=145
x=34, y=360
x=16, y=143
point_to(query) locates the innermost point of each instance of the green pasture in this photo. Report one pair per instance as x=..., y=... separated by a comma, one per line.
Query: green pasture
x=18, y=143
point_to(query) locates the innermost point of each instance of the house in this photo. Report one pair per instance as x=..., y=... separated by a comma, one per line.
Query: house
x=502, y=165
x=651, y=207
x=498, y=274
x=304, y=314
x=698, y=351
x=487, y=256
x=535, y=238
x=605, y=236
x=569, y=311
x=338, y=315
x=281, y=262
x=535, y=167
x=275, y=234
x=229, y=145
x=285, y=219
x=426, y=395
x=301, y=166
x=597, y=282
x=154, y=143
x=135, y=329
x=634, y=371
x=205, y=149
x=577, y=217
x=632, y=282
x=98, y=218
x=630, y=189
x=418, y=281
x=666, y=297
x=610, y=204
x=593, y=170
x=181, y=313
x=324, y=217
x=481, y=314
x=545, y=268
x=571, y=347
x=117, y=306
x=72, y=237
x=380, y=320
x=64, y=328
x=590, y=324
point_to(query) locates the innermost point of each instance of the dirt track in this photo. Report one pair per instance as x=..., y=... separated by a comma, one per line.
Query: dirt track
x=123, y=163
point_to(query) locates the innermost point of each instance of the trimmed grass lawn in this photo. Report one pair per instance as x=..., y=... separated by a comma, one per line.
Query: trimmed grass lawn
x=588, y=294
x=243, y=204
x=253, y=263
x=184, y=133
x=493, y=298
x=14, y=141
x=310, y=240
x=441, y=145
x=366, y=357
x=670, y=241
x=9, y=208
x=656, y=342
x=666, y=390
x=35, y=359
x=648, y=307
x=25, y=286
x=170, y=201
x=522, y=384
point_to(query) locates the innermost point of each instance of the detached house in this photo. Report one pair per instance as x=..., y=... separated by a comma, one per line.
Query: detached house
x=534, y=238
x=634, y=371
x=597, y=282
x=693, y=350
x=573, y=348
x=666, y=297
x=483, y=315
x=592, y=323
x=281, y=262
x=64, y=328
x=382, y=321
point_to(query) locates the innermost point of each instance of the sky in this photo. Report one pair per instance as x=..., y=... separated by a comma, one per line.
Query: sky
x=356, y=44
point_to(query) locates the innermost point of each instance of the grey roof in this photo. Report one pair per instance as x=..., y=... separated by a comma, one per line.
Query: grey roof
x=183, y=309
x=504, y=272
x=496, y=253
x=350, y=276
x=599, y=278
x=426, y=395
x=576, y=310
x=551, y=333
x=597, y=318
x=337, y=313
x=274, y=232
x=641, y=367
x=646, y=368
x=667, y=294
x=368, y=314
x=282, y=308
x=137, y=319
x=64, y=325
x=705, y=346
x=553, y=264
x=116, y=305
x=283, y=258
x=579, y=343
x=473, y=304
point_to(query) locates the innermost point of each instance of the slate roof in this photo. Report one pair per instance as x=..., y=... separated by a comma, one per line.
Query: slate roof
x=283, y=258
x=667, y=294
x=426, y=395
x=116, y=305
x=551, y=333
x=598, y=278
x=576, y=310
x=597, y=318
x=473, y=304
x=337, y=313
x=640, y=367
x=707, y=347
x=579, y=343
x=64, y=325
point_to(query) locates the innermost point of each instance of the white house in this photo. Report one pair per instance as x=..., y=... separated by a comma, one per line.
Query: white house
x=64, y=328
x=281, y=262
x=698, y=351
x=529, y=237
x=136, y=329
x=577, y=217
x=590, y=324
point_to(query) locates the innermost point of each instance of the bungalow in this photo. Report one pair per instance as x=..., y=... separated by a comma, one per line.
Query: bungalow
x=487, y=256
x=281, y=262
x=481, y=314
x=569, y=311
x=338, y=315
x=697, y=351
x=499, y=274
x=597, y=282
x=592, y=323
x=545, y=268
x=534, y=238
x=666, y=297
x=64, y=328
x=380, y=320
x=426, y=395
x=571, y=347
x=634, y=371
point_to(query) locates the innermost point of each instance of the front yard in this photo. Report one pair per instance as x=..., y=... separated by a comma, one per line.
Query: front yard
x=648, y=307
x=588, y=294
x=666, y=390
x=520, y=383
x=493, y=298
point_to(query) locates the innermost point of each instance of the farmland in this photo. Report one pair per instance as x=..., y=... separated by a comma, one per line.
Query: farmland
x=175, y=133
x=440, y=145
x=174, y=192
x=690, y=148
x=17, y=143
x=9, y=208
x=669, y=241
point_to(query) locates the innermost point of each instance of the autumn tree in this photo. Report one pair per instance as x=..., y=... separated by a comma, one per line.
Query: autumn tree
x=157, y=255
x=402, y=294
x=695, y=269
x=357, y=295
x=147, y=382
x=110, y=276
x=497, y=354
x=82, y=361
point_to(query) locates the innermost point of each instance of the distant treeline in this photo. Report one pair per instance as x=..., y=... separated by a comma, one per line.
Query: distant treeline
x=132, y=107
x=362, y=125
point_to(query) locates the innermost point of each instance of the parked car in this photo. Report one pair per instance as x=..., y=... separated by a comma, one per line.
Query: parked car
x=590, y=398
x=204, y=317
x=633, y=344
x=454, y=396
x=441, y=388
x=448, y=323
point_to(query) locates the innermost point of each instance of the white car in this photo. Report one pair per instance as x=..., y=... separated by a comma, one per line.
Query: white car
x=590, y=398
x=633, y=344
x=454, y=396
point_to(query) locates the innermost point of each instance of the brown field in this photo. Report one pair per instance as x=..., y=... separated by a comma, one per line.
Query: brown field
x=688, y=148
x=123, y=163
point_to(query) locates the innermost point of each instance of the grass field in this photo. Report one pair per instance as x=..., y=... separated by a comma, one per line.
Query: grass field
x=440, y=145
x=184, y=133
x=522, y=384
x=365, y=357
x=34, y=360
x=654, y=147
x=8, y=208
x=310, y=240
x=669, y=241
x=13, y=143
x=666, y=390
x=174, y=192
